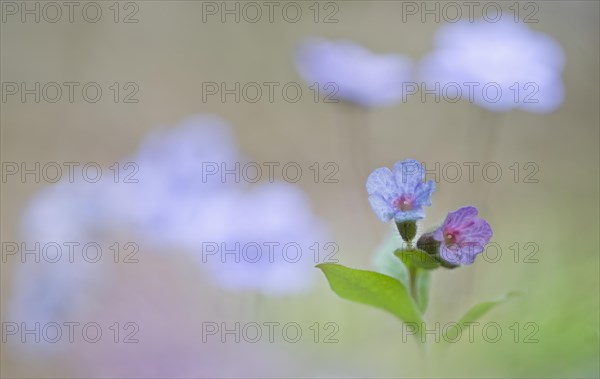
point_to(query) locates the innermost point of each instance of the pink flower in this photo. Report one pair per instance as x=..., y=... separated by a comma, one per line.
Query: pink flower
x=462, y=236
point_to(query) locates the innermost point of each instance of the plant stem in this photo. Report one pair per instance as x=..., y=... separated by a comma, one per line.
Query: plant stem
x=412, y=271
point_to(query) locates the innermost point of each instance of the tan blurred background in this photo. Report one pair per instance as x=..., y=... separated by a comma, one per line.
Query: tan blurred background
x=170, y=52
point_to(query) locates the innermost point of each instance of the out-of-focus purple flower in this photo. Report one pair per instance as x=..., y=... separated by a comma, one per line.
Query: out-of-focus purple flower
x=175, y=181
x=356, y=75
x=462, y=236
x=52, y=282
x=270, y=245
x=183, y=153
x=480, y=57
x=176, y=206
x=61, y=212
x=52, y=292
x=171, y=206
x=401, y=194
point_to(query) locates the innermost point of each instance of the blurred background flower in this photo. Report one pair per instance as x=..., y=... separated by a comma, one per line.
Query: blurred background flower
x=53, y=281
x=277, y=240
x=524, y=64
x=357, y=75
x=173, y=202
x=171, y=206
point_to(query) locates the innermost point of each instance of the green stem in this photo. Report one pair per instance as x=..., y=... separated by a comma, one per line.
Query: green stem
x=412, y=271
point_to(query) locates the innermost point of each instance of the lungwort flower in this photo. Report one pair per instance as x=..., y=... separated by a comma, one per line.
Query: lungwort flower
x=462, y=236
x=266, y=250
x=350, y=72
x=401, y=194
x=499, y=66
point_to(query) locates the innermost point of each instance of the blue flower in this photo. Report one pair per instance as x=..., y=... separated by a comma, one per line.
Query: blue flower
x=348, y=71
x=268, y=244
x=523, y=66
x=401, y=194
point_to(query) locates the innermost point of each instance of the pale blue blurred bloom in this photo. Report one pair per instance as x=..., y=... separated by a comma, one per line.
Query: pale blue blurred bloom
x=170, y=208
x=504, y=52
x=46, y=291
x=173, y=201
x=273, y=213
x=156, y=213
x=359, y=76
x=66, y=204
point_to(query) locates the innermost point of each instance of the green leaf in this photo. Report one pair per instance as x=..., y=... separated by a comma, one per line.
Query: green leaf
x=372, y=288
x=481, y=309
x=418, y=258
x=422, y=283
x=386, y=263
x=478, y=311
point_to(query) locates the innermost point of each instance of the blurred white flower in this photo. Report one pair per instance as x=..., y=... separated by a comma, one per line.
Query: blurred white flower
x=526, y=65
x=357, y=75
x=271, y=243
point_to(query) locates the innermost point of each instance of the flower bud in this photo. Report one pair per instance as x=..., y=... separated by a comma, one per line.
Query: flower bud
x=428, y=244
x=432, y=247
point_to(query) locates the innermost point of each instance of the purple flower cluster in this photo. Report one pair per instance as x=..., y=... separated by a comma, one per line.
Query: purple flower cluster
x=401, y=195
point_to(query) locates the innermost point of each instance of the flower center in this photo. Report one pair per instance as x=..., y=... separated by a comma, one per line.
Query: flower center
x=450, y=237
x=404, y=203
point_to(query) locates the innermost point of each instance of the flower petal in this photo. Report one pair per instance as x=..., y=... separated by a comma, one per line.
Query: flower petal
x=438, y=235
x=412, y=215
x=465, y=256
x=408, y=175
x=477, y=234
x=458, y=218
x=383, y=209
x=423, y=193
x=381, y=182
